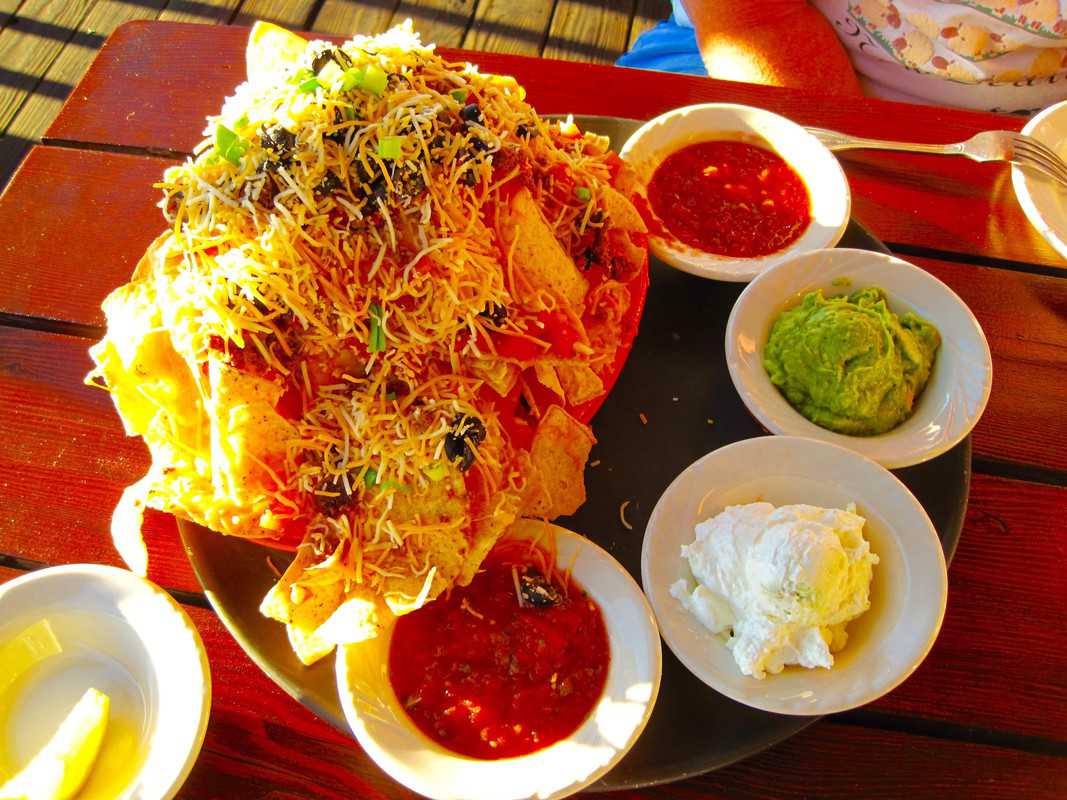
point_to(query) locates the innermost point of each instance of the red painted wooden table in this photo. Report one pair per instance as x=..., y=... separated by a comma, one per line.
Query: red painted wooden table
x=986, y=714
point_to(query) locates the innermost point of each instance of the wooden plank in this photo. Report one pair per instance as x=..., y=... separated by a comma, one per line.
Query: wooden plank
x=946, y=203
x=344, y=18
x=290, y=13
x=108, y=198
x=7, y=11
x=211, y=12
x=509, y=26
x=584, y=31
x=28, y=45
x=998, y=661
x=1024, y=319
x=66, y=460
x=1022, y=314
x=647, y=13
x=442, y=22
x=179, y=74
x=834, y=762
x=68, y=67
x=996, y=599
x=261, y=743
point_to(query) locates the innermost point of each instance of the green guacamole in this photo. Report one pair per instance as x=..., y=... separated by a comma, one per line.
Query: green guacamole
x=850, y=364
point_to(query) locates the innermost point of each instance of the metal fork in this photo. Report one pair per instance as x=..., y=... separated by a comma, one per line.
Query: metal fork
x=1017, y=148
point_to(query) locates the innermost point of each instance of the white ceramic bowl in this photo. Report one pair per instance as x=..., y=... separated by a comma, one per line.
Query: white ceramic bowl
x=129, y=639
x=813, y=162
x=390, y=738
x=908, y=591
x=959, y=385
x=1042, y=199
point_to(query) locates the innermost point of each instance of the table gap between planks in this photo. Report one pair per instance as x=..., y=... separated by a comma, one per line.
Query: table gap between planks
x=985, y=716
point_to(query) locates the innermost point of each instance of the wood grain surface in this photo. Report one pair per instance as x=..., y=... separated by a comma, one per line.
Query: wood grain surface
x=67, y=436
x=261, y=743
x=918, y=201
x=986, y=714
x=1024, y=315
x=45, y=27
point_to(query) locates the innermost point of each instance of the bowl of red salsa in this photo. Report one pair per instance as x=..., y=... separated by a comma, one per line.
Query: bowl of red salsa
x=532, y=681
x=733, y=190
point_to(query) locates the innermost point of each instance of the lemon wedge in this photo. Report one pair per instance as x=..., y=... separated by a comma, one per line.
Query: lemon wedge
x=270, y=50
x=32, y=645
x=58, y=771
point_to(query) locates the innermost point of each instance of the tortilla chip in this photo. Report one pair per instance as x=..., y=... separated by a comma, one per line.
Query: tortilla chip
x=622, y=213
x=500, y=375
x=444, y=504
x=278, y=603
x=247, y=433
x=270, y=51
x=559, y=451
x=535, y=500
x=359, y=618
x=302, y=608
x=547, y=377
x=496, y=512
x=540, y=263
x=580, y=383
x=623, y=222
x=307, y=617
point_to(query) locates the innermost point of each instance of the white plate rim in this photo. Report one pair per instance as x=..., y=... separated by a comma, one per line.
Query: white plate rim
x=1046, y=224
x=889, y=449
x=133, y=584
x=399, y=772
x=711, y=680
x=733, y=270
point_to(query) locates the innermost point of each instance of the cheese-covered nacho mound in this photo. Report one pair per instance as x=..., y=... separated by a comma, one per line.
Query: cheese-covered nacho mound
x=388, y=297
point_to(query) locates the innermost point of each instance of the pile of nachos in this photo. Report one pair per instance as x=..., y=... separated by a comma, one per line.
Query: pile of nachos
x=387, y=299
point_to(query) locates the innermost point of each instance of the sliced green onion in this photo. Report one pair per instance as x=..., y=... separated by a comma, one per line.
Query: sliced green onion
x=389, y=147
x=436, y=472
x=352, y=78
x=329, y=73
x=375, y=80
x=460, y=95
x=370, y=477
x=370, y=481
x=349, y=113
x=390, y=396
x=377, y=334
x=309, y=86
x=301, y=75
x=583, y=194
x=228, y=145
x=241, y=122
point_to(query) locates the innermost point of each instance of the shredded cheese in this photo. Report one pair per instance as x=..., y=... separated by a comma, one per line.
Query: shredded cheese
x=343, y=251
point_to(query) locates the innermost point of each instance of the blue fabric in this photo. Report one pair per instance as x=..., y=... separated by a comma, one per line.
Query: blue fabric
x=668, y=47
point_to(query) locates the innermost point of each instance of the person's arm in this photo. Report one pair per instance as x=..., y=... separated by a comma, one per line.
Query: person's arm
x=774, y=42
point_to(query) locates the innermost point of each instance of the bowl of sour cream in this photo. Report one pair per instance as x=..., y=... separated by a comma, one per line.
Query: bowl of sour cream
x=793, y=575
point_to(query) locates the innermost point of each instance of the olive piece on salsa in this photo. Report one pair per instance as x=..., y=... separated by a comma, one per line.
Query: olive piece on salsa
x=730, y=198
x=505, y=666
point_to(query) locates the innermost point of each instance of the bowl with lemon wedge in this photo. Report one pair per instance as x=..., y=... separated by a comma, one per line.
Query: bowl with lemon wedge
x=106, y=682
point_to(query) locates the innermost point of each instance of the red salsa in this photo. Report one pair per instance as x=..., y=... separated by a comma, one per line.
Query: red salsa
x=489, y=678
x=730, y=198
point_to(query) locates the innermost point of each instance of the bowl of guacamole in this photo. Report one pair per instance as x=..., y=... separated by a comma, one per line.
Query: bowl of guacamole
x=849, y=363
x=860, y=349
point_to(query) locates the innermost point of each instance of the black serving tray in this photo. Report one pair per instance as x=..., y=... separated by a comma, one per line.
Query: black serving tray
x=672, y=404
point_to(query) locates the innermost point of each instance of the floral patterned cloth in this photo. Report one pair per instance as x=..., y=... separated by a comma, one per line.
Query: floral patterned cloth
x=1001, y=55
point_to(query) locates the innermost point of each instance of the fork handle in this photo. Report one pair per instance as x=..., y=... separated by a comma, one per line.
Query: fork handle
x=857, y=143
